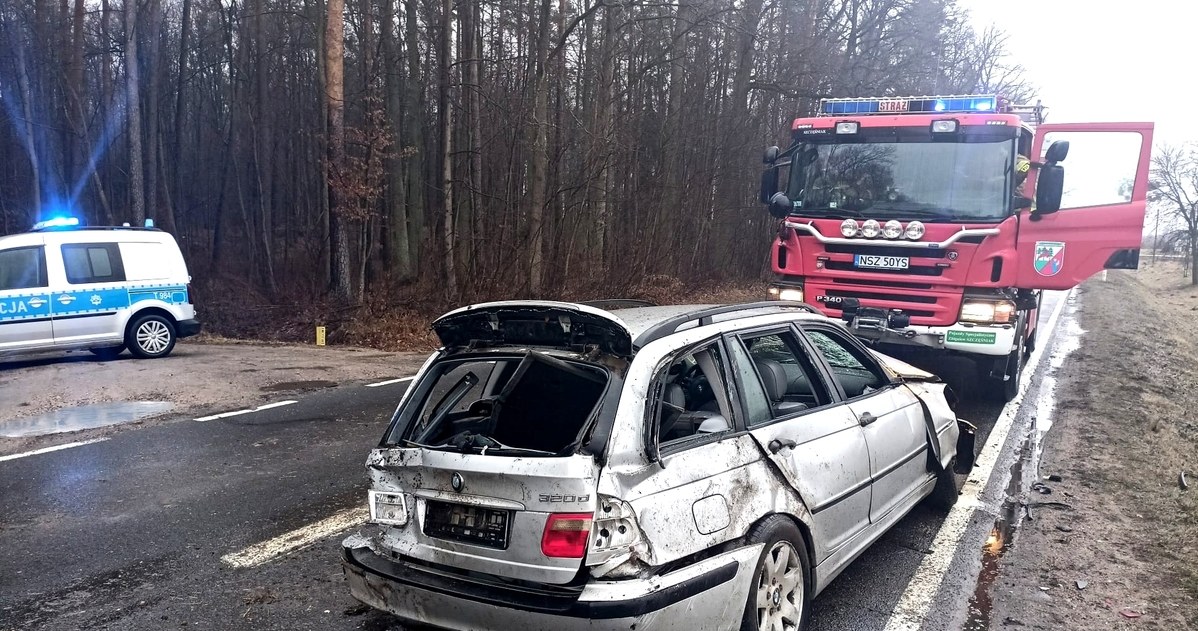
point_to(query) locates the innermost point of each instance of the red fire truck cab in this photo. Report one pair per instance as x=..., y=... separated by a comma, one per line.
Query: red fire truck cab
x=935, y=222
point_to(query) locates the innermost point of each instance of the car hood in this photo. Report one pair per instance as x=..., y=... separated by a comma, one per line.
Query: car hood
x=905, y=370
x=561, y=325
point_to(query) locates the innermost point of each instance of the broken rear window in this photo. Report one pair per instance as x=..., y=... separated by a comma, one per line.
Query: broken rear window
x=530, y=404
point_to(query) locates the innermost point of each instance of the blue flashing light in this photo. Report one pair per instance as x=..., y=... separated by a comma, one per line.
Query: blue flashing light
x=149, y=222
x=909, y=105
x=57, y=222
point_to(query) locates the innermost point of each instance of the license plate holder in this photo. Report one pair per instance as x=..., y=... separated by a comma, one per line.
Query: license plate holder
x=477, y=525
x=871, y=261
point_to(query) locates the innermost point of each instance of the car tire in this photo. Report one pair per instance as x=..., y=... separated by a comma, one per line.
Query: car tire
x=948, y=488
x=780, y=591
x=151, y=336
x=108, y=353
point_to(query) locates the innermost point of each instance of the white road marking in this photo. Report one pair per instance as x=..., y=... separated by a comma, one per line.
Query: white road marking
x=46, y=450
x=916, y=601
x=277, y=404
x=285, y=543
x=388, y=382
x=204, y=419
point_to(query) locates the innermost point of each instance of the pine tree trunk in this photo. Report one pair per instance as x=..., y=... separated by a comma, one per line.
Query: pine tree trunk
x=137, y=198
x=334, y=45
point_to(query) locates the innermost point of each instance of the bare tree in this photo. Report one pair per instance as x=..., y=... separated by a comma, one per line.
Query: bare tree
x=1173, y=190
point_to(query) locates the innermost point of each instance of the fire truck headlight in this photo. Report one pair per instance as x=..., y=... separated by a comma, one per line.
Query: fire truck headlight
x=849, y=227
x=915, y=230
x=944, y=127
x=792, y=294
x=892, y=230
x=988, y=311
x=870, y=229
x=850, y=127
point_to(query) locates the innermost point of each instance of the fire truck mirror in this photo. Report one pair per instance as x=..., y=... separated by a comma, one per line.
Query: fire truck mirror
x=771, y=155
x=1050, y=186
x=769, y=184
x=780, y=206
x=1057, y=151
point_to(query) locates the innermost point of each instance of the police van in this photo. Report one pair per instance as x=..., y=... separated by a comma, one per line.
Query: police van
x=103, y=289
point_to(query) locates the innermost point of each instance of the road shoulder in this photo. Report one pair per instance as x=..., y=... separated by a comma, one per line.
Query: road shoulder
x=1107, y=539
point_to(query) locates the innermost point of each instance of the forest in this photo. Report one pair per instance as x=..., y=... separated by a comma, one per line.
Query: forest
x=441, y=151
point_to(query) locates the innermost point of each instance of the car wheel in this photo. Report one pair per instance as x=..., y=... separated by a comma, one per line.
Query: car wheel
x=108, y=353
x=948, y=488
x=779, y=596
x=151, y=336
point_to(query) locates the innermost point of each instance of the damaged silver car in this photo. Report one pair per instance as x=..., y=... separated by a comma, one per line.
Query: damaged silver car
x=559, y=466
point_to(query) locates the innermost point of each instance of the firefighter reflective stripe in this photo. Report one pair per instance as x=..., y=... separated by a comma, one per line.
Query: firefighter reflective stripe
x=25, y=306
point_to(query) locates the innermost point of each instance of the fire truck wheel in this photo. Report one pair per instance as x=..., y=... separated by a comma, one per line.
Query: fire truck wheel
x=1010, y=385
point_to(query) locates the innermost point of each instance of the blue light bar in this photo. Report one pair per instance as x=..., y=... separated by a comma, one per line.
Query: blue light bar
x=57, y=222
x=910, y=105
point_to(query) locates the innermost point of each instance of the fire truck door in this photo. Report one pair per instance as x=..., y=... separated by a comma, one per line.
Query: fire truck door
x=1101, y=220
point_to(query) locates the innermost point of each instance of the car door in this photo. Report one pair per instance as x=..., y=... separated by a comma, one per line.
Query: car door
x=89, y=306
x=1101, y=220
x=888, y=413
x=24, y=299
x=812, y=437
x=704, y=489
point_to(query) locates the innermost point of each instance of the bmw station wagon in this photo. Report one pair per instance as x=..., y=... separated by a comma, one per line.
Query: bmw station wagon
x=559, y=466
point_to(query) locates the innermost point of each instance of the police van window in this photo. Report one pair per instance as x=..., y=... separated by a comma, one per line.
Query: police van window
x=22, y=268
x=856, y=374
x=93, y=263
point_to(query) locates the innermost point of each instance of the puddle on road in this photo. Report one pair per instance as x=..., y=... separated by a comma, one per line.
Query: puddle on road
x=1026, y=468
x=83, y=417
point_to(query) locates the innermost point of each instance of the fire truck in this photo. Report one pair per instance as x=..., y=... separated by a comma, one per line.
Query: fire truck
x=935, y=222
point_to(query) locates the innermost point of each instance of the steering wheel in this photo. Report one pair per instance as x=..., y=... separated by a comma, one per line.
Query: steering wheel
x=694, y=383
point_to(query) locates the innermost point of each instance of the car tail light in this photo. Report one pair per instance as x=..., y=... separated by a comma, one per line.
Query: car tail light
x=566, y=535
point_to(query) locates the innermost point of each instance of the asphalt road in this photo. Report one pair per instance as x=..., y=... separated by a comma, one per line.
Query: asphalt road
x=129, y=533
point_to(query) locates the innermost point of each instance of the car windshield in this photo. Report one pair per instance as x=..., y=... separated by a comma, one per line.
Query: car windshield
x=904, y=177
x=530, y=404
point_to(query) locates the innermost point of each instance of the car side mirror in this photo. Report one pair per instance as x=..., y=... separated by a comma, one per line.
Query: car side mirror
x=715, y=425
x=1057, y=151
x=1050, y=187
x=780, y=206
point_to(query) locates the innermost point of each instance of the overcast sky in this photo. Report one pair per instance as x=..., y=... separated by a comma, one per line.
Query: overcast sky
x=1090, y=62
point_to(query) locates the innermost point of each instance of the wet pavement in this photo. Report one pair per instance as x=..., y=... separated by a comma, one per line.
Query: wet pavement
x=128, y=533
x=83, y=417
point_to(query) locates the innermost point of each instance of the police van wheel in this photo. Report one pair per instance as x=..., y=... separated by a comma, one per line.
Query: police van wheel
x=108, y=353
x=151, y=336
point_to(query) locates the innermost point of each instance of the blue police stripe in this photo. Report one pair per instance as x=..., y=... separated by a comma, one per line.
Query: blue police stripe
x=81, y=302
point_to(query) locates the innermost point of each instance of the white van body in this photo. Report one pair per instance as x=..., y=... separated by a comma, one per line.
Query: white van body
x=101, y=289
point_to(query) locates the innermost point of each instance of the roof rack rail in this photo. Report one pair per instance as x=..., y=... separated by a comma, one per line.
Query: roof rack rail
x=706, y=316
x=612, y=304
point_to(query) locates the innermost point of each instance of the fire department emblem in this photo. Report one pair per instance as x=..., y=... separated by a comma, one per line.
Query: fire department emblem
x=1050, y=257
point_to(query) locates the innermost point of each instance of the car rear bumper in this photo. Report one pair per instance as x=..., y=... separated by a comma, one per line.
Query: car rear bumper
x=187, y=328
x=710, y=594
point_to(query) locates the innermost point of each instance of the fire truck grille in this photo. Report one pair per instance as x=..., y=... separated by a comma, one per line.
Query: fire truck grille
x=883, y=250
x=914, y=270
x=841, y=293
x=880, y=299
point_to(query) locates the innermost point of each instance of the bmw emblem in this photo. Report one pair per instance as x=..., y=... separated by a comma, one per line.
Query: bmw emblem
x=457, y=482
